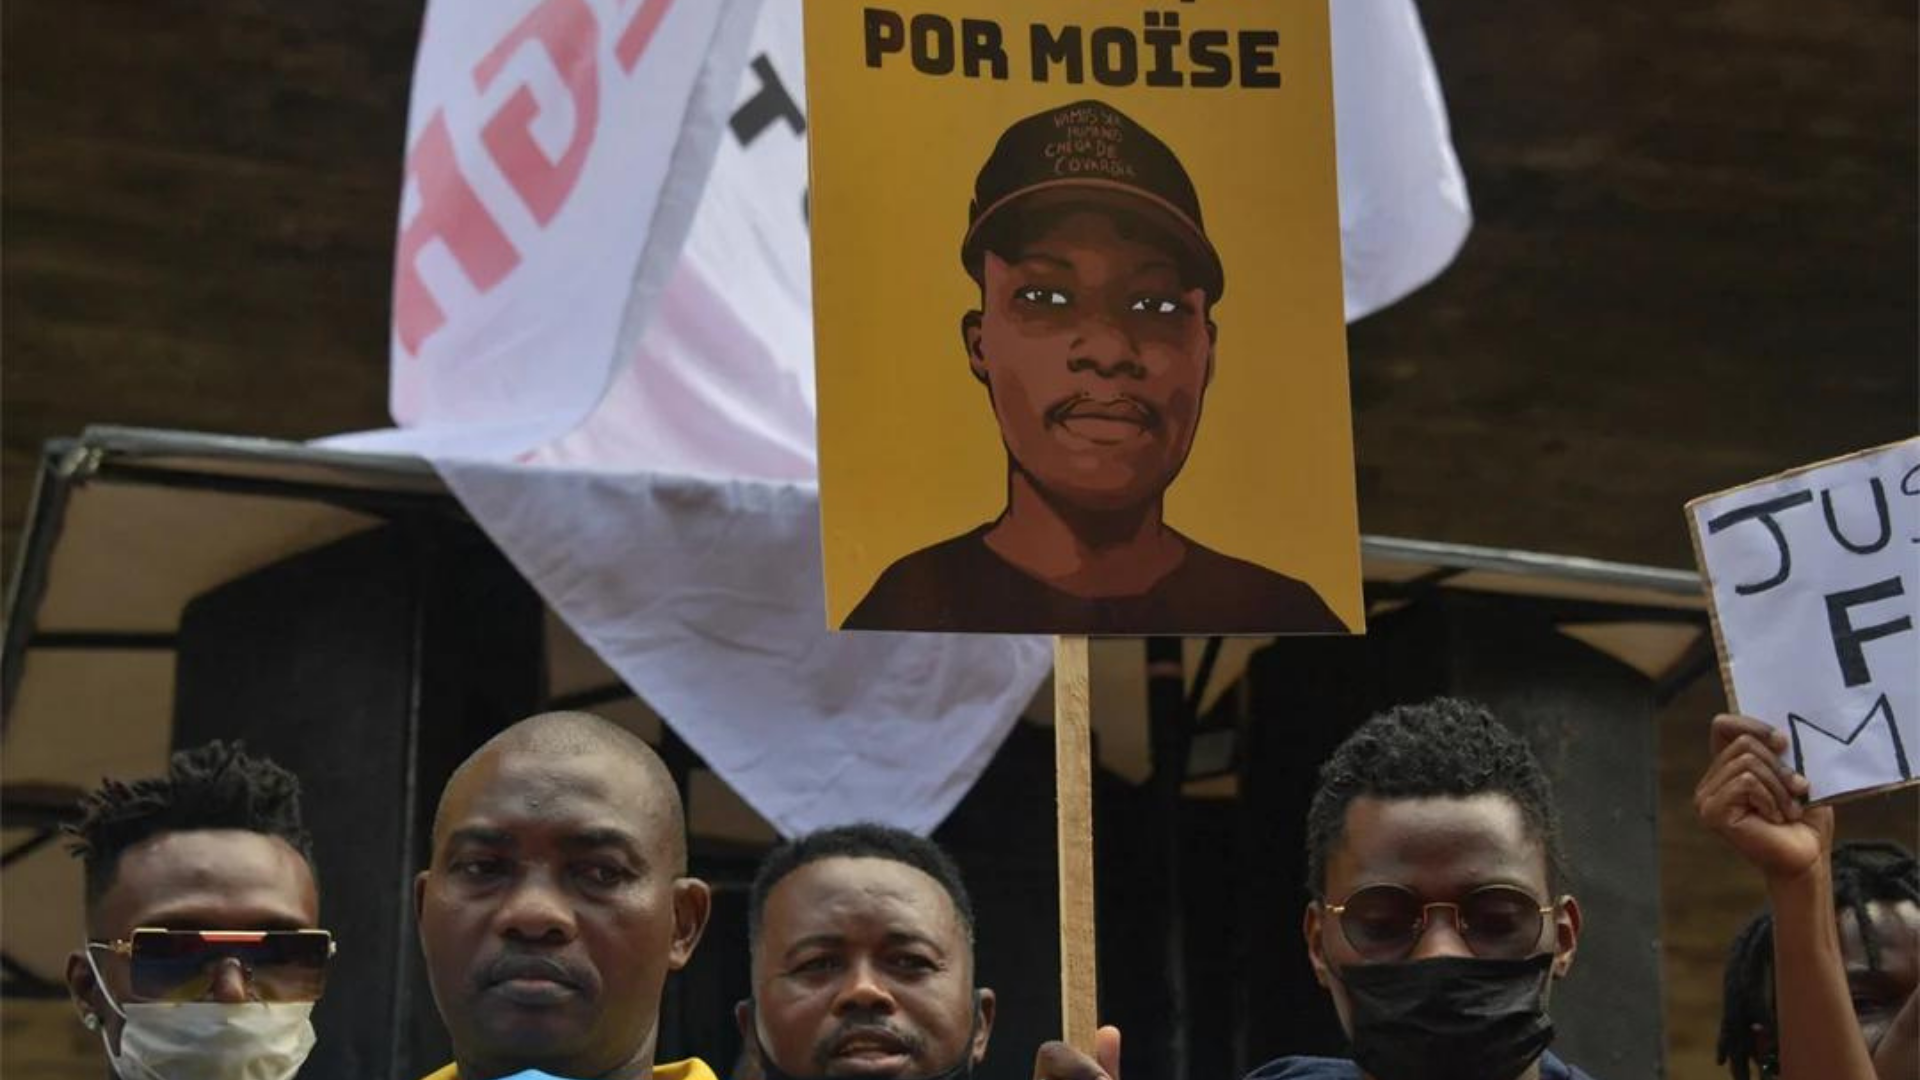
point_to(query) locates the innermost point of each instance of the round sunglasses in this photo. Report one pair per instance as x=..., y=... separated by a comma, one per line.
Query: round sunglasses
x=1385, y=922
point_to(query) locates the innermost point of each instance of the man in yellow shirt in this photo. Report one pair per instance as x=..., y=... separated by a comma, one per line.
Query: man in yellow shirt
x=556, y=903
x=862, y=947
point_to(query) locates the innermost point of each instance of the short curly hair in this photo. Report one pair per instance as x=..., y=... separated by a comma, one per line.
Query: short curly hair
x=860, y=841
x=1445, y=748
x=215, y=786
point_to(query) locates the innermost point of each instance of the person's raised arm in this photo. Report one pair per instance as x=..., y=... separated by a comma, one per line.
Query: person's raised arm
x=1752, y=801
x=1898, y=1055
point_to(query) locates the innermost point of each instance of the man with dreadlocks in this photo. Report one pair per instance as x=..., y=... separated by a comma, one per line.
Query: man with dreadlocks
x=1821, y=985
x=1876, y=895
x=202, y=956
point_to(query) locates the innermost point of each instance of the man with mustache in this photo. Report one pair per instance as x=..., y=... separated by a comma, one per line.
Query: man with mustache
x=556, y=904
x=862, y=946
x=1095, y=341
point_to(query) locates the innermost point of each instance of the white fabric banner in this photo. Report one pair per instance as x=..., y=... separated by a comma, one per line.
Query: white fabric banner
x=722, y=384
x=652, y=477
x=555, y=152
x=705, y=597
x=1403, y=201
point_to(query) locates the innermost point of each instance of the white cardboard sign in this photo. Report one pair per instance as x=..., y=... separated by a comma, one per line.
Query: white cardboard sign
x=1814, y=580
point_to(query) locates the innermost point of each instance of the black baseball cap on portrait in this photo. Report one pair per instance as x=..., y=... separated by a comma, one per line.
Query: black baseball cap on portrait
x=1090, y=151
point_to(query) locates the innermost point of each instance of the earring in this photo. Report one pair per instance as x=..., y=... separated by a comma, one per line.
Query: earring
x=90, y=1021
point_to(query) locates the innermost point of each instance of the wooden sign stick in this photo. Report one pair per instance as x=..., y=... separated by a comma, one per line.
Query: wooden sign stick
x=1073, y=786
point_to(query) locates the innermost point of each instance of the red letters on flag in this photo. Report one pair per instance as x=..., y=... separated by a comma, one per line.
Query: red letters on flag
x=633, y=42
x=567, y=31
x=449, y=211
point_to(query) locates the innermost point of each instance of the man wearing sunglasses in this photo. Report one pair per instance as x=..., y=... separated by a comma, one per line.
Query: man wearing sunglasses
x=557, y=902
x=202, y=958
x=1437, y=922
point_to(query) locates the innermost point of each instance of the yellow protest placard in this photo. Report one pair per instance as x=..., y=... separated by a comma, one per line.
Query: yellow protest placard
x=1081, y=353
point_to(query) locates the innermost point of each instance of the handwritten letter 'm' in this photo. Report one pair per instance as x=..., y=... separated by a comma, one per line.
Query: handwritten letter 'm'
x=1814, y=577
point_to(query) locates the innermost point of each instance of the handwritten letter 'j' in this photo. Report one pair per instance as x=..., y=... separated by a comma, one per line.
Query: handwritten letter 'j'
x=1813, y=576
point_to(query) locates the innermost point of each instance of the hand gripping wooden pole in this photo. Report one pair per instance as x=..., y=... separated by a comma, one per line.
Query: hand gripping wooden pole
x=1073, y=784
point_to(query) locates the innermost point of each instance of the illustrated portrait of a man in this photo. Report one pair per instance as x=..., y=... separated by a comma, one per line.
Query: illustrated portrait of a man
x=1095, y=340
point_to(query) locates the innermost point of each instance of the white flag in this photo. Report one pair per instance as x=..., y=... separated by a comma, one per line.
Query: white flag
x=555, y=152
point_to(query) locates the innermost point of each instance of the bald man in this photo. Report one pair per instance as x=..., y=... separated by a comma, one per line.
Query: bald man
x=556, y=904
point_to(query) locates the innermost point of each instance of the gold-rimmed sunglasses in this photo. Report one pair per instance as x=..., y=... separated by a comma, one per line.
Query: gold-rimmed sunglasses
x=1385, y=922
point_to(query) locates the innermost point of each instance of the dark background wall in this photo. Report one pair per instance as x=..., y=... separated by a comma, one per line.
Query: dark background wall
x=1694, y=263
x=198, y=211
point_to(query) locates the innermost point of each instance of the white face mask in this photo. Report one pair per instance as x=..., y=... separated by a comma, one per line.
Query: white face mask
x=209, y=1040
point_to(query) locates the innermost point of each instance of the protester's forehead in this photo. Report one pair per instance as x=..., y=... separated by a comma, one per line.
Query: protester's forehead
x=209, y=879
x=861, y=895
x=1901, y=917
x=1438, y=846
x=521, y=789
x=1895, y=926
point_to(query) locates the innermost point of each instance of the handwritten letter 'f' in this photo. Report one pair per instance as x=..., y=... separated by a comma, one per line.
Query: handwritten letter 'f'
x=1814, y=578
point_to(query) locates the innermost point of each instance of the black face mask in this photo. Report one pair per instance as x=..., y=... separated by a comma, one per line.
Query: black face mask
x=1453, y=1018
x=959, y=1070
